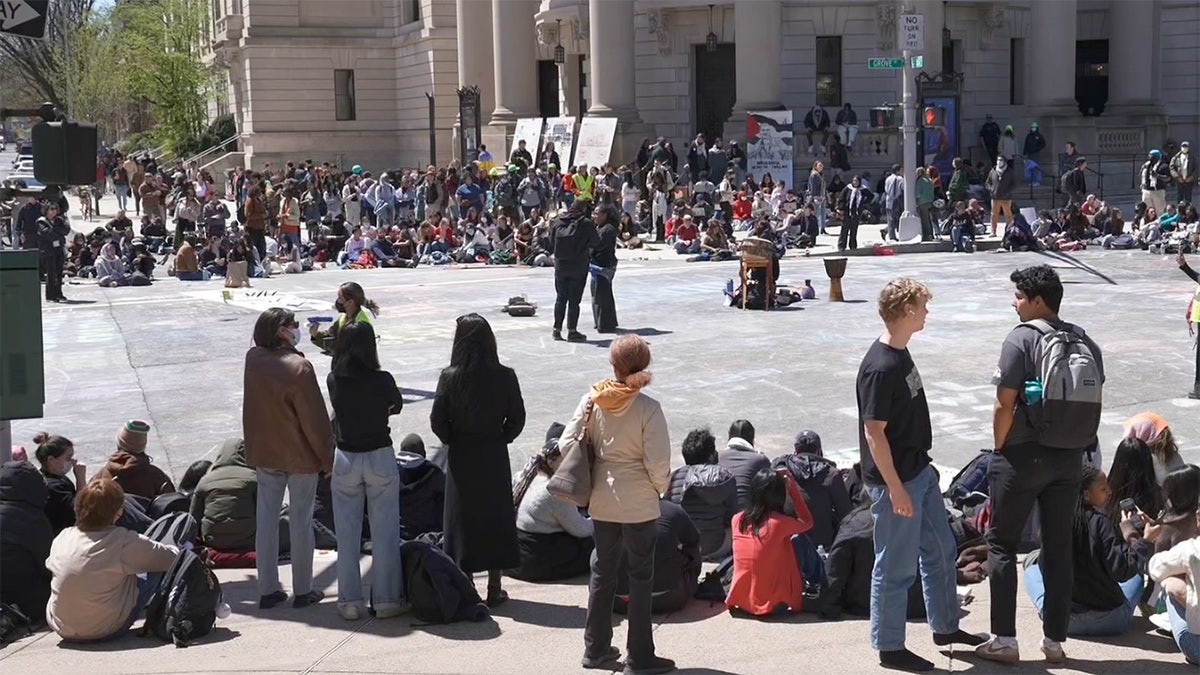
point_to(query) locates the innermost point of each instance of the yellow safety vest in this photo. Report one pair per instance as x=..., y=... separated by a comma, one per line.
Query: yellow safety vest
x=584, y=184
x=1195, y=318
x=363, y=317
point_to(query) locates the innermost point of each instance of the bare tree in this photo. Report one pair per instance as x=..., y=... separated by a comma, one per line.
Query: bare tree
x=42, y=65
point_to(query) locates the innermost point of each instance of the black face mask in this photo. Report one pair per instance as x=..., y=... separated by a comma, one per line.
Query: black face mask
x=340, y=306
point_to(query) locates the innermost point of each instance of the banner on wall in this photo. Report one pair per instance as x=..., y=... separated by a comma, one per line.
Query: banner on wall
x=561, y=132
x=769, y=144
x=529, y=129
x=595, y=141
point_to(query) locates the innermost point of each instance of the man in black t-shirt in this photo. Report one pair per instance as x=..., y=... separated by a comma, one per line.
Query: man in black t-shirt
x=1023, y=472
x=911, y=524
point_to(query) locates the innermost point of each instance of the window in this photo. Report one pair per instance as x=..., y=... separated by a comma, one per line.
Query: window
x=412, y=11
x=829, y=71
x=1016, y=71
x=343, y=94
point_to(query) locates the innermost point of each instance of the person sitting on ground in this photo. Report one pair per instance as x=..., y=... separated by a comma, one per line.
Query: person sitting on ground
x=1177, y=572
x=1181, y=497
x=25, y=536
x=676, y=563
x=687, y=237
x=223, y=504
x=180, y=501
x=56, y=457
x=767, y=555
x=1131, y=476
x=821, y=484
x=103, y=575
x=707, y=492
x=741, y=459
x=422, y=490
x=554, y=537
x=110, y=268
x=627, y=233
x=715, y=245
x=1156, y=433
x=849, y=566
x=187, y=265
x=131, y=467
x=1108, y=561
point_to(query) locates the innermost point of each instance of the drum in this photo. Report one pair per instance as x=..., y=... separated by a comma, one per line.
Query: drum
x=757, y=247
x=836, y=269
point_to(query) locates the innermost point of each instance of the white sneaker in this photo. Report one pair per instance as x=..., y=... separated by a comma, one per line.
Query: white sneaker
x=392, y=610
x=994, y=650
x=350, y=611
x=1053, y=651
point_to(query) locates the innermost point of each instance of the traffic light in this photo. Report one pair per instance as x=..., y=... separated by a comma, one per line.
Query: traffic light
x=933, y=116
x=883, y=118
x=64, y=153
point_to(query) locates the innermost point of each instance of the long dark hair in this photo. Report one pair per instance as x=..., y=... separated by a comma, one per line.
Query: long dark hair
x=358, y=296
x=768, y=494
x=1080, y=532
x=1132, y=477
x=474, y=357
x=355, y=349
x=1181, y=491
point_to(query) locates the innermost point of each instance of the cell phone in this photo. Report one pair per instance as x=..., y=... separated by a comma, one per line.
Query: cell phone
x=1127, y=506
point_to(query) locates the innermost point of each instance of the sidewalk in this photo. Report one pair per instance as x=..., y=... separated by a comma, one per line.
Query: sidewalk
x=540, y=630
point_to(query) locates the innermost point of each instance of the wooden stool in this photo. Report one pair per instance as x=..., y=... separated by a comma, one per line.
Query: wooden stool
x=752, y=262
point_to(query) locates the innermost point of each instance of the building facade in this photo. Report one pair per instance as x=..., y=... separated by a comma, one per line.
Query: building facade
x=352, y=80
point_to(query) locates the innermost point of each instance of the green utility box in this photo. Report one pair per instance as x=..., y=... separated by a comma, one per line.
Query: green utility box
x=22, y=369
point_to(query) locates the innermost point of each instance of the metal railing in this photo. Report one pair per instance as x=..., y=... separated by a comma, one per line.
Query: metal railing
x=219, y=147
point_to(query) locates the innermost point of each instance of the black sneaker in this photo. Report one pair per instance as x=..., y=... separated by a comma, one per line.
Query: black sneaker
x=654, y=666
x=576, y=336
x=604, y=661
x=271, y=599
x=902, y=659
x=309, y=598
x=557, y=335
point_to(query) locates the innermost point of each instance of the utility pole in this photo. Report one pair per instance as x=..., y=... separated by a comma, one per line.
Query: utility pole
x=912, y=40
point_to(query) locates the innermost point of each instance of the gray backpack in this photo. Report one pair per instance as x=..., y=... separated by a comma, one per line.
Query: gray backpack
x=1068, y=414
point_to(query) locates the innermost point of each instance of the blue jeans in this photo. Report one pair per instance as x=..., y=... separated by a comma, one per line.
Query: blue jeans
x=302, y=492
x=1111, y=622
x=900, y=544
x=959, y=234
x=1189, y=643
x=370, y=477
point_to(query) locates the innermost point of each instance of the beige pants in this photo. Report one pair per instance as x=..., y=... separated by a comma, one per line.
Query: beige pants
x=999, y=205
x=1156, y=199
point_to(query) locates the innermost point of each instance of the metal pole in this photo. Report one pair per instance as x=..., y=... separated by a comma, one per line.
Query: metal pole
x=5, y=441
x=432, y=130
x=910, y=222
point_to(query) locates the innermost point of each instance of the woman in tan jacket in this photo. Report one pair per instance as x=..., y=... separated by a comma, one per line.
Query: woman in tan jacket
x=632, y=468
x=289, y=440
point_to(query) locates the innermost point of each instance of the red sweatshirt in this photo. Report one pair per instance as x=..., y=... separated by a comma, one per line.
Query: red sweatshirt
x=765, y=571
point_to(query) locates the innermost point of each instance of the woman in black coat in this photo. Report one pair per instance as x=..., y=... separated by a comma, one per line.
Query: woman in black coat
x=603, y=269
x=25, y=537
x=477, y=412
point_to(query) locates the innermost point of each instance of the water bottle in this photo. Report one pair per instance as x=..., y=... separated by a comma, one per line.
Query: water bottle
x=1033, y=392
x=729, y=287
x=223, y=610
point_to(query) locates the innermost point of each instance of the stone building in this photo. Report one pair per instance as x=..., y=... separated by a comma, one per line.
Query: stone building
x=349, y=79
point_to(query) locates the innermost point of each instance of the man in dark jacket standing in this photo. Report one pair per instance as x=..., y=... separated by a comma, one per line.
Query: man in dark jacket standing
x=574, y=237
x=1001, y=183
x=707, y=492
x=1074, y=183
x=822, y=485
x=26, y=223
x=52, y=234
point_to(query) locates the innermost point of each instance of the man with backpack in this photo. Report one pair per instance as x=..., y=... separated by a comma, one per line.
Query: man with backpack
x=1048, y=401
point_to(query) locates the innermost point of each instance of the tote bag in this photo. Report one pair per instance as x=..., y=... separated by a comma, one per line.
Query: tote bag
x=572, y=481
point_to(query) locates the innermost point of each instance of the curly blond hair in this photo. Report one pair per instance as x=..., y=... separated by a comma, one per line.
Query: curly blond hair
x=901, y=293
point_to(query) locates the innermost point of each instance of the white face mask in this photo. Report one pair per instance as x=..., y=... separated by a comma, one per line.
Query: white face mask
x=295, y=336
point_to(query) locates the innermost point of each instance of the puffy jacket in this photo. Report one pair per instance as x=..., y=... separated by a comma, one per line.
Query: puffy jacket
x=422, y=495
x=25, y=537
x=136, y=474
x=848, y=571
x=824, y=492
x=708, y=494
x=1002, y=183
x=743, y=461
x=225, y=499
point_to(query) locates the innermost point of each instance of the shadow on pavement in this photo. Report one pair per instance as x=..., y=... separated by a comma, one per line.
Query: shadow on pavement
x=131, y=640
x=542, y=613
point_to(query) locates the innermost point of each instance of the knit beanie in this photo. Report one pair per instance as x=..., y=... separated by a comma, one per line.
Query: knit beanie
x=132, y=437
x=412, y=443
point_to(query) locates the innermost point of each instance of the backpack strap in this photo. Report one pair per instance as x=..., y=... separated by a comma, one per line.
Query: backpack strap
x=1040, y=325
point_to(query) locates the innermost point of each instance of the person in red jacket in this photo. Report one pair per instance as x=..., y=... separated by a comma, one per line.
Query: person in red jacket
x=766, y=571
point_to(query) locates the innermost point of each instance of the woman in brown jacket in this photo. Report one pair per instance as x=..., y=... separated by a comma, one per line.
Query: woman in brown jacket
x=289, y=440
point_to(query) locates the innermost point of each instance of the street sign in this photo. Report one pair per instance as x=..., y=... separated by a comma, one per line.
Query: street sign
x=912, y=32
x=872, y=64
x=24, y=18
x=917, y=62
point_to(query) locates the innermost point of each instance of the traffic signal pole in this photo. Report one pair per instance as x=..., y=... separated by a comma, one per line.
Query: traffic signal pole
x=910, y=222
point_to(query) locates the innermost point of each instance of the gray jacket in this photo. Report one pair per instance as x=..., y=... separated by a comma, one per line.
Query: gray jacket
x=708, y=494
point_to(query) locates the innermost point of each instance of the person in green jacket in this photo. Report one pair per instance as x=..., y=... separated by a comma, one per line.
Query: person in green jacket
x=960, y=183
x=925, y=197
x=352, y=305
x=225, y=500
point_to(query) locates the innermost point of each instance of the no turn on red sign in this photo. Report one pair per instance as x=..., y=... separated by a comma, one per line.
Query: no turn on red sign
x=912, y=32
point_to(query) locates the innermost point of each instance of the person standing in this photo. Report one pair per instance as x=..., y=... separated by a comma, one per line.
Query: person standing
x=1153, y=179
x=853, y=202
x=632, y=468
x=1040, y=432
x=1183, y=172
x=989, y=134
x=603, y=269
x=289, y=441
x=574, y=236
x=1193, y=318
x=911, y=524
x=352, y=306
x=52, y=236
x=1001, y=183
x=363, y=397
x=477, y=412
x=893, y=200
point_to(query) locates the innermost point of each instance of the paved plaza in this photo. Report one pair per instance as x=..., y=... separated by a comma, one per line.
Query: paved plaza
x=172, y=354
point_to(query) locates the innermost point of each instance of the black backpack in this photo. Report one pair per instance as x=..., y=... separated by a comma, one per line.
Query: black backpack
x=184, y=607
x=176, y=529
x=14, y=625
x=715, y=585
x=170, y=502
x=970, y=484
x=439, y=591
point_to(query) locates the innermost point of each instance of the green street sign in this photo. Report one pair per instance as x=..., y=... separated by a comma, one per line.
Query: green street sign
x=917, y=61
x=885, y=64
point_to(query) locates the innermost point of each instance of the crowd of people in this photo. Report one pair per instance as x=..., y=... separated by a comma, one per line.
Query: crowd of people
x=793, y=533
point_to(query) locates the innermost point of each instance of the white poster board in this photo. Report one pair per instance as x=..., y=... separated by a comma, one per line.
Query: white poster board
x=529, y=129
x=769, y=144
x=595, y=142
x=561, y=132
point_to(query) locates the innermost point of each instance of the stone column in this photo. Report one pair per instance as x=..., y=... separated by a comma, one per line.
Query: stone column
x=514, y=44
x=758, y=30
x=1131, y=82
x=1053, y=53
x=473, y=22
x=612, y=84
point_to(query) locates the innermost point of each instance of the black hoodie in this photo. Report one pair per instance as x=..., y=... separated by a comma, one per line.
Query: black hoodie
x=824, y=492
x=708, y=494
x=574, y=237
x=25, y=537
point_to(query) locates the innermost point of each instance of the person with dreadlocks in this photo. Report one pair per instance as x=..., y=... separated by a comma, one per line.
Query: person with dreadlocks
x=1109, y=560
x=554, y=537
